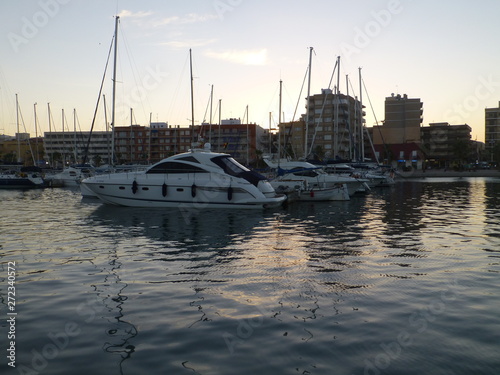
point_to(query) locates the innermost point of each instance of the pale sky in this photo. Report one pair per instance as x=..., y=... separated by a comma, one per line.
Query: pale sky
x=54, y=51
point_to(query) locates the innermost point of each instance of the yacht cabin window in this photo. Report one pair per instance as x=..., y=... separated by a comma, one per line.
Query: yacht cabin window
x=175, y=167
x=306, y=173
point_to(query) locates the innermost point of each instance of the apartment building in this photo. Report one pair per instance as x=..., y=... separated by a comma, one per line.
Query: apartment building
x=70, y=147
x=399, y=137
x=443, y=143
x=331, y=128
x=492, y=129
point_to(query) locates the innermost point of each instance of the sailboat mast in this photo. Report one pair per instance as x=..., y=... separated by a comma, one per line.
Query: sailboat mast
x=248, y=135
x=361, y=126
x=307, y=103
x=192, y=94
x=149, y=140
x=220, y=123
x=35, y=157
x=107, y=128
x=64, y=148
x=50, y=155
x=48, y=110
x=113, y=103
x=211, y=104
x=74, y=133
x=131, y=135
x=270, y=134
x=337, y=102
x=279, y=123
x=349, y=118
x=18, y=135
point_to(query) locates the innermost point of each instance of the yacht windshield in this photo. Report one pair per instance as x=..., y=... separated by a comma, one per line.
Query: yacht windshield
x=233, y=168
x=229, y=165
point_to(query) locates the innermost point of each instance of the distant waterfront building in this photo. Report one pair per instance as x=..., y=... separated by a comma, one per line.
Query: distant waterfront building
x=403, y=119
x=492, y=128
x=141, y=144
x=231, y=121
x=132, y=144
x=63, y=148
x=23, y=151
x=22, y=136
x=399, y=137
x=444, y=143
x=243, y=141
x=291, y=138
x=331, y=128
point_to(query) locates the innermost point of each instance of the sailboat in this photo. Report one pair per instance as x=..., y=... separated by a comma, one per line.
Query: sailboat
x=72, y=175
x=85, y=190
x=26, y=177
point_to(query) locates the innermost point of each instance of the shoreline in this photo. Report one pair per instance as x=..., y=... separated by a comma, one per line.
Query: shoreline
x=448, y=173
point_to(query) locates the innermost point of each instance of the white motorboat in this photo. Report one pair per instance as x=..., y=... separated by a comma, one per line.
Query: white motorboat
x=315, y=176
x=300, y=189
x=196, y=179
x=72, y=176
x=377, y=175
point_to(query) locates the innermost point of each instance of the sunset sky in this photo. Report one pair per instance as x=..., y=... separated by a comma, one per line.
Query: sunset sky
x=55, y=51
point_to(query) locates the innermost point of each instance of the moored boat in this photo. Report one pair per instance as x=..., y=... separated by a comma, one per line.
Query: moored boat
x=26, y=178
x=315, y=176
x=72, y=176
x=196, y=179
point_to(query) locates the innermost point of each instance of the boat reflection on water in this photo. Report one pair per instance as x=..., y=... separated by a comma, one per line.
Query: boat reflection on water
x=190, y=227
x=165, y=259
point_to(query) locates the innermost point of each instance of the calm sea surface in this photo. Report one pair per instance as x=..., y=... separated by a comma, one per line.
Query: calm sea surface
x=404, y=280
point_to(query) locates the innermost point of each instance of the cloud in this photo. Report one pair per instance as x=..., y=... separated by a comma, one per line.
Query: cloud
x=129, y=14
x=241, y=57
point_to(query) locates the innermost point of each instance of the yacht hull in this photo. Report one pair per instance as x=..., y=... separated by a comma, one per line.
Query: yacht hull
x=170, y=193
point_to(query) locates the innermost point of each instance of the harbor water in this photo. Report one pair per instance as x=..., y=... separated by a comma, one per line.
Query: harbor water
x=403, y=280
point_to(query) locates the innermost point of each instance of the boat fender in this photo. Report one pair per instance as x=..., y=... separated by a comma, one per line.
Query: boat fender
x=134, y=187
x=193, y=190
x=229, y=193
x=164, y=189
x=311, y=193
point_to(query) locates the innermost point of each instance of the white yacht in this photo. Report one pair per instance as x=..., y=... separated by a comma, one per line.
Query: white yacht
x=195, y=179
x=72, y=176
x=372, y=174
x=315, y=176
x=302, y=191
